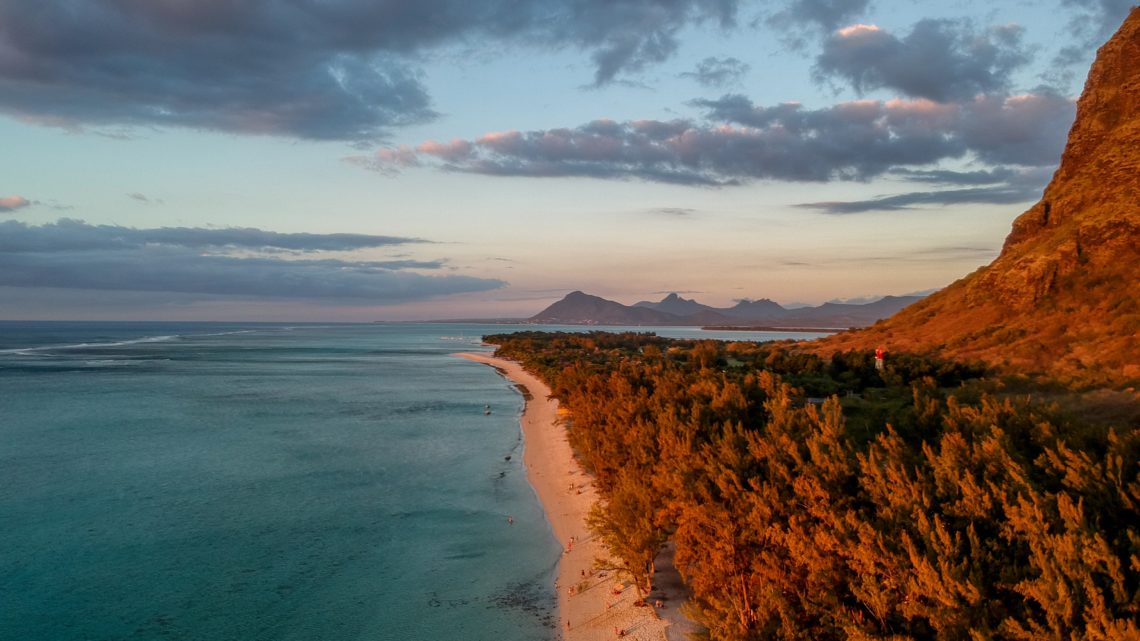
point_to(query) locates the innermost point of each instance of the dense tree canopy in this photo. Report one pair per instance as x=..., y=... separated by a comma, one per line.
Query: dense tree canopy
x=818, y=498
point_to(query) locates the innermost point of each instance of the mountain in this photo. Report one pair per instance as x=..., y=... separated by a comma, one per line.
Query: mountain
x=850, y=314
x=674, y=304
x=578, y=308
x=1061, y=299
x=758, y=310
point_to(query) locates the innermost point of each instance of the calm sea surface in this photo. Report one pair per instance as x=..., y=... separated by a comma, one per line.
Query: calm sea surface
x=244, y=482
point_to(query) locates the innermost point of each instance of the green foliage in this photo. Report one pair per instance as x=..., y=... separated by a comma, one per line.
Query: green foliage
x=919, y=503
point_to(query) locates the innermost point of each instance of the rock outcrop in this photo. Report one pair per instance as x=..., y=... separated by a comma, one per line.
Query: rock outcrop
x=1062, y=298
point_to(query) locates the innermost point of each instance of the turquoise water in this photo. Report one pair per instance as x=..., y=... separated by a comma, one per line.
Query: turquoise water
x=246, y=482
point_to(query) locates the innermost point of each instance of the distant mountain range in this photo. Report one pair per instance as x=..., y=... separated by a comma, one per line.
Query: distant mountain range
x=579, y=308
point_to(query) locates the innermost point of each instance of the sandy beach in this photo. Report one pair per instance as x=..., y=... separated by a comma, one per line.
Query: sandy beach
x=592, y=605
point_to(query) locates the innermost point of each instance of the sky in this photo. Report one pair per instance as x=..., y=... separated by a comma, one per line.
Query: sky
x=359, y=160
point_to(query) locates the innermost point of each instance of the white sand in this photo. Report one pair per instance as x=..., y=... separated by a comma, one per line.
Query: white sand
x=590, y=607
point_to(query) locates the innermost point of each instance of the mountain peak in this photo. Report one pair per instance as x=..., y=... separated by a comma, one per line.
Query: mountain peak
x=1059, y=299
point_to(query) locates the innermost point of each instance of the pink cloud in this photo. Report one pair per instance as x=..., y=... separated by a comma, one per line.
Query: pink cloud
x=501, y=141
x=12, y=203
x=857, y=30
x=388, y=160
x=454, y=150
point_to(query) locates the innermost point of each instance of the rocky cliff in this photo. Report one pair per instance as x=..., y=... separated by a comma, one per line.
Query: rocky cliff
x=1062, y=298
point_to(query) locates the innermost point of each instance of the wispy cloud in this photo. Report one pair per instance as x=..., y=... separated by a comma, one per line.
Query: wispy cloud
x=1091, y=22
x=934, y=254
x=997, y=186
x=1001, y=195
x=718, y=72
x=70, y=235
x=1095, y=20
x=143, y=198
x=224, y=262
x=674, y=212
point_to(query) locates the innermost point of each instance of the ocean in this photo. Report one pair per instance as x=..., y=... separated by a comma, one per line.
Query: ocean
x=214, y=481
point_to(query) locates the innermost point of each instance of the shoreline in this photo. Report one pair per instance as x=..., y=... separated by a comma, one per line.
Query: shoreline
x=592, y=605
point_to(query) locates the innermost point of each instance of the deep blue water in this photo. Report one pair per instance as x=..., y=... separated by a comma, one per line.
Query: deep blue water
x=213, y=481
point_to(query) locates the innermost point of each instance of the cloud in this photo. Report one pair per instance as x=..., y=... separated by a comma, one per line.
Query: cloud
x=1027, y=176
x=629, y=36
x=940, y=60
x=1002, y=186
x=824, y=14
x=1095, y=20
x=343, y=70
x=857, y=140
x=718, y=72
x=923, y=255
x=950, y=177
x=1027, y=129
x=75, y=235
x=143, y=198
x=12, y=203
x=217, y=262
x=677, y=212
x=1091, y=23
x=187, y=272
x=1000, y=195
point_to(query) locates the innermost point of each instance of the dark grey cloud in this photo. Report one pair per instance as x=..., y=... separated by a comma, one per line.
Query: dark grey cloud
x=824, y=14
x=741, y=142
x=313, y=69
x=12, y=203
x=244, y=67
x=718, y=72
x=76, y=235
x=940, y=60
x=74, y=255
